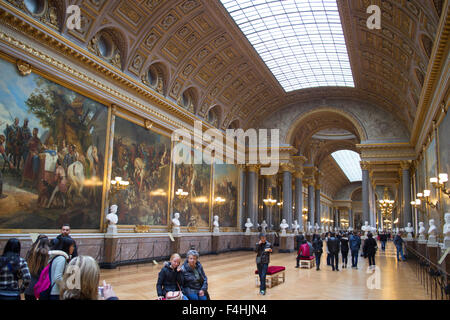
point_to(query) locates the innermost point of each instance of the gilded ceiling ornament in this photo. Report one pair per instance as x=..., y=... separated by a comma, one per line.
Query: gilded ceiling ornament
x=116, y=60
x=168, y=21
x=23, y=67
x=148, y=124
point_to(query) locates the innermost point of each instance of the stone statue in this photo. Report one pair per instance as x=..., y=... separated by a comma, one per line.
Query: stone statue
x=446, y=230
x=366, y=228
x=309, y=228
x=432, y=231
x=316, y=227
x=283, y=227
x=112, y=219
x=216, y=224
x=176, y=224
x=248, y=225
x=296, y=227
x=421, y=231
x=350, y=229
x=263, y=226
x=410, y=230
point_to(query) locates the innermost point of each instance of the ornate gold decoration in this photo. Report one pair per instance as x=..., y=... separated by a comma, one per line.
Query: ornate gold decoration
x=142, y=229
x=365, y=165
x=23, y=67
x=148, y=124
x=192, y=229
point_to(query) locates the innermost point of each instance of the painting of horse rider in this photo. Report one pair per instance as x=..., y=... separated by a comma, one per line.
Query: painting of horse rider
x=52, y=147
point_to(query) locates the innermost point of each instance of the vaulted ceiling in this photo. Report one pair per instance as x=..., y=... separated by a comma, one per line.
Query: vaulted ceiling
x=197, y=46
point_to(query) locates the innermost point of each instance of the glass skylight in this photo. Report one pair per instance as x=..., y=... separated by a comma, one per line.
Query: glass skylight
x=301, y=41
x=349, y=162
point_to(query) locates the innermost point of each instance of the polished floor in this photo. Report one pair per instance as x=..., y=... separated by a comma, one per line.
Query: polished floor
x=231, y=276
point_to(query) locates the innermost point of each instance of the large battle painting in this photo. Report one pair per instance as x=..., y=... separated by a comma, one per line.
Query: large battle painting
x=52, y=147
x=141, y=157
x=444, y=154
x=196, y=180
x=226, y=179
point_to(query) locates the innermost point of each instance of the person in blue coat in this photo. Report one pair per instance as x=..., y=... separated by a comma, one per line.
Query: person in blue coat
x=355, y=244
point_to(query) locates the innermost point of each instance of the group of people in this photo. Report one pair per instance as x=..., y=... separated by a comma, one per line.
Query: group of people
x=343, y=243
x=46, y=272
x=58, y=259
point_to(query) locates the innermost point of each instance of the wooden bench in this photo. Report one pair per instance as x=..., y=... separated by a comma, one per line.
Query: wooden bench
x=308, y=263
x=275, y=275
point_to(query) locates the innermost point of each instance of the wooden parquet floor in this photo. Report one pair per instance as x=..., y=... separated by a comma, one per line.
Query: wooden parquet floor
x=231, y=277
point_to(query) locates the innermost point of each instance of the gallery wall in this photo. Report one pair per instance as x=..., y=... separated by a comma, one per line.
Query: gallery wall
x=55, y=169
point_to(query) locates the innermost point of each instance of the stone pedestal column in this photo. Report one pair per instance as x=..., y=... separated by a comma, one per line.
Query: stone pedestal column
x=406, y=182
x=299, y=198
x=109, y=252
x=242, y=195
x=252, y=198
x=317, y=205
x=350, y=218
x=365, y=192
x=215, y=241
x=175, y=246
x=287, y=195
x=311, y=201
x=286, y=243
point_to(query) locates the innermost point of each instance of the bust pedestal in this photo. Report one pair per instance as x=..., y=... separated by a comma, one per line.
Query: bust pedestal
x=110, y=251
x=176, y=244
x=215, y=243
x=432, y=241
x=250, y=241
x=446, y=243
x=286, y=243
x=112, y=229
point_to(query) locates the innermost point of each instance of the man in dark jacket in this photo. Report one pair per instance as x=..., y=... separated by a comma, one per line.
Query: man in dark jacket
x=398, y=242
x=334, y=248
x=355, y=244
x=65, y=232
x=263, y=249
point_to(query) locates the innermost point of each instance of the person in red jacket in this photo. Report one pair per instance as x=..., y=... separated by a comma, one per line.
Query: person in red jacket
x=303, y=252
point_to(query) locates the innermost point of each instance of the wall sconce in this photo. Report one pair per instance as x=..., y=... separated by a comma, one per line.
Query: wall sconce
x=280, y=204
x=219, y=200
x=440, y=182
x=181, y=194
x=417, y=204
x=425, y=196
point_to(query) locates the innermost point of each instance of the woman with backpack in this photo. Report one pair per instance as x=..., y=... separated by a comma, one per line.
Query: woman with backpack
x=12, y=269
x=37, y=259
x=59, y=257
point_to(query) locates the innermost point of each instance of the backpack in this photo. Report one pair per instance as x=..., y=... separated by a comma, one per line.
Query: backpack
x=43, y=287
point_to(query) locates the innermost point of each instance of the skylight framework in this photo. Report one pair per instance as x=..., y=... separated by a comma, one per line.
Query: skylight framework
x=348, y=161
x=301, y=41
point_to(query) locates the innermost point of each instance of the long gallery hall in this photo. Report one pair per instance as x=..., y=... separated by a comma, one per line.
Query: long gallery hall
x=224, y=150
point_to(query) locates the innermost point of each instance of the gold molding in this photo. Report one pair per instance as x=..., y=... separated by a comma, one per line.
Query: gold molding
x=23, y=67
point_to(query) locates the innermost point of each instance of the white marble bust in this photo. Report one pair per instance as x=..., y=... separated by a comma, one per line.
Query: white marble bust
x=409, y=229
x=176, y=224
x=421, y=231
x=316, y=227
x=432, y=231
x=216, y=224
x=310, y=227
x=112, y=219
x=296, y=227
x=248, y=225
x=263, y=226
x=350, y=229
x=283, y=227
x=366, y=228
x=446, y=230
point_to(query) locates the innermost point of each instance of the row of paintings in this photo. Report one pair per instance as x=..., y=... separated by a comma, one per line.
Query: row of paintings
x=436, y=160
x=53, y=147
